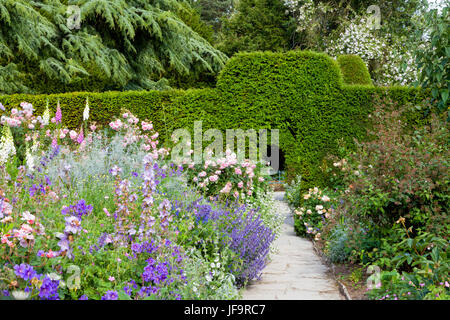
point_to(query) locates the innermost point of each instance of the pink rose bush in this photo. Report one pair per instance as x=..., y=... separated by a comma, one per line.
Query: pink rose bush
x=227, y=178
x=316, y=210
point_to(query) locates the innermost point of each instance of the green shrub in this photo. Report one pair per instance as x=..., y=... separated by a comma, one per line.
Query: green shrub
x=400, y=173
x=354, y=69
x=414, y=268
x=301, y=93
x=292, y=194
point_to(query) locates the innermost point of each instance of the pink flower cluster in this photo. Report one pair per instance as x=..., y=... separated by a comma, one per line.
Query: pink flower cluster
x=25, y=235
x=35, y=127
x=116, y=125
x=225, y=176
x=23, y=117
x=144, y=134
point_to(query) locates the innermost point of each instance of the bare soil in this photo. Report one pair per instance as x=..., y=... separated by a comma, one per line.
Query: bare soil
x=277, y=186
x=353, y=277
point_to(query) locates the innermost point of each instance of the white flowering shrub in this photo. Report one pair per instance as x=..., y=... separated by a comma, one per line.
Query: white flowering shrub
x=386, y=57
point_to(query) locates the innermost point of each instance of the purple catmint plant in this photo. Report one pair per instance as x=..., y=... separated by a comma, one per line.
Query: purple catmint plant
x=250, y=239
x=242, y=230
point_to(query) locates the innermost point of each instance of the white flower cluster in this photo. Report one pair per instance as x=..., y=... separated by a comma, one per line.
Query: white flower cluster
x=394, y=74
x=46, y=116
x=86, y=111
x=29, y=159
x=7, y=147
x=359, y=38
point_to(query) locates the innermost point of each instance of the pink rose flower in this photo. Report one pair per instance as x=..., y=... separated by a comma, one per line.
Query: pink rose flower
x=73, y=134
x=226, y=188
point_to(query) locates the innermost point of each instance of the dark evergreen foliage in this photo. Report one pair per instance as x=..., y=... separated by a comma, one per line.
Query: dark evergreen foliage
x=120, y=45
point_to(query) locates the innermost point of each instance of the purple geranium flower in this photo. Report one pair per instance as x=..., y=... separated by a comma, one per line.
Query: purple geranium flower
x=73, y=225
x=110, y=295
x=25, y=271
x=49, y=289
x=64, y=244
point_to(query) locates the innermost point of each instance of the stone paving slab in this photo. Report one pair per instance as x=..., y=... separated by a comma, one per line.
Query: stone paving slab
x=295, y=272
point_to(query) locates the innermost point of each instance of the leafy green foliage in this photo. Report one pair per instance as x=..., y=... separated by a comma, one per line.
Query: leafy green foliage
x=119, y=45
x=354, y=69
x=415, y=267
x=434, y=59
x=292, y=192
x=399, y=173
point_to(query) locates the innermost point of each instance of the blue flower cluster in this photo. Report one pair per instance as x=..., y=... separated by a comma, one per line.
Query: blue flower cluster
x=25, y=271
x=156, y=272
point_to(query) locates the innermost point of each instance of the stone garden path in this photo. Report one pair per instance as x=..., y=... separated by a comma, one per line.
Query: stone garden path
x=295, y=272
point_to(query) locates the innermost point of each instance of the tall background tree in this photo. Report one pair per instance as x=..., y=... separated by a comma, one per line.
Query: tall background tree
x=117, y=45
x=257, y=25
x=214, y=11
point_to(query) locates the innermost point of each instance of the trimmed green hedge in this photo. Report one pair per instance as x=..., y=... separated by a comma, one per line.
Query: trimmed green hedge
x=301, y=93
x=354, y=70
